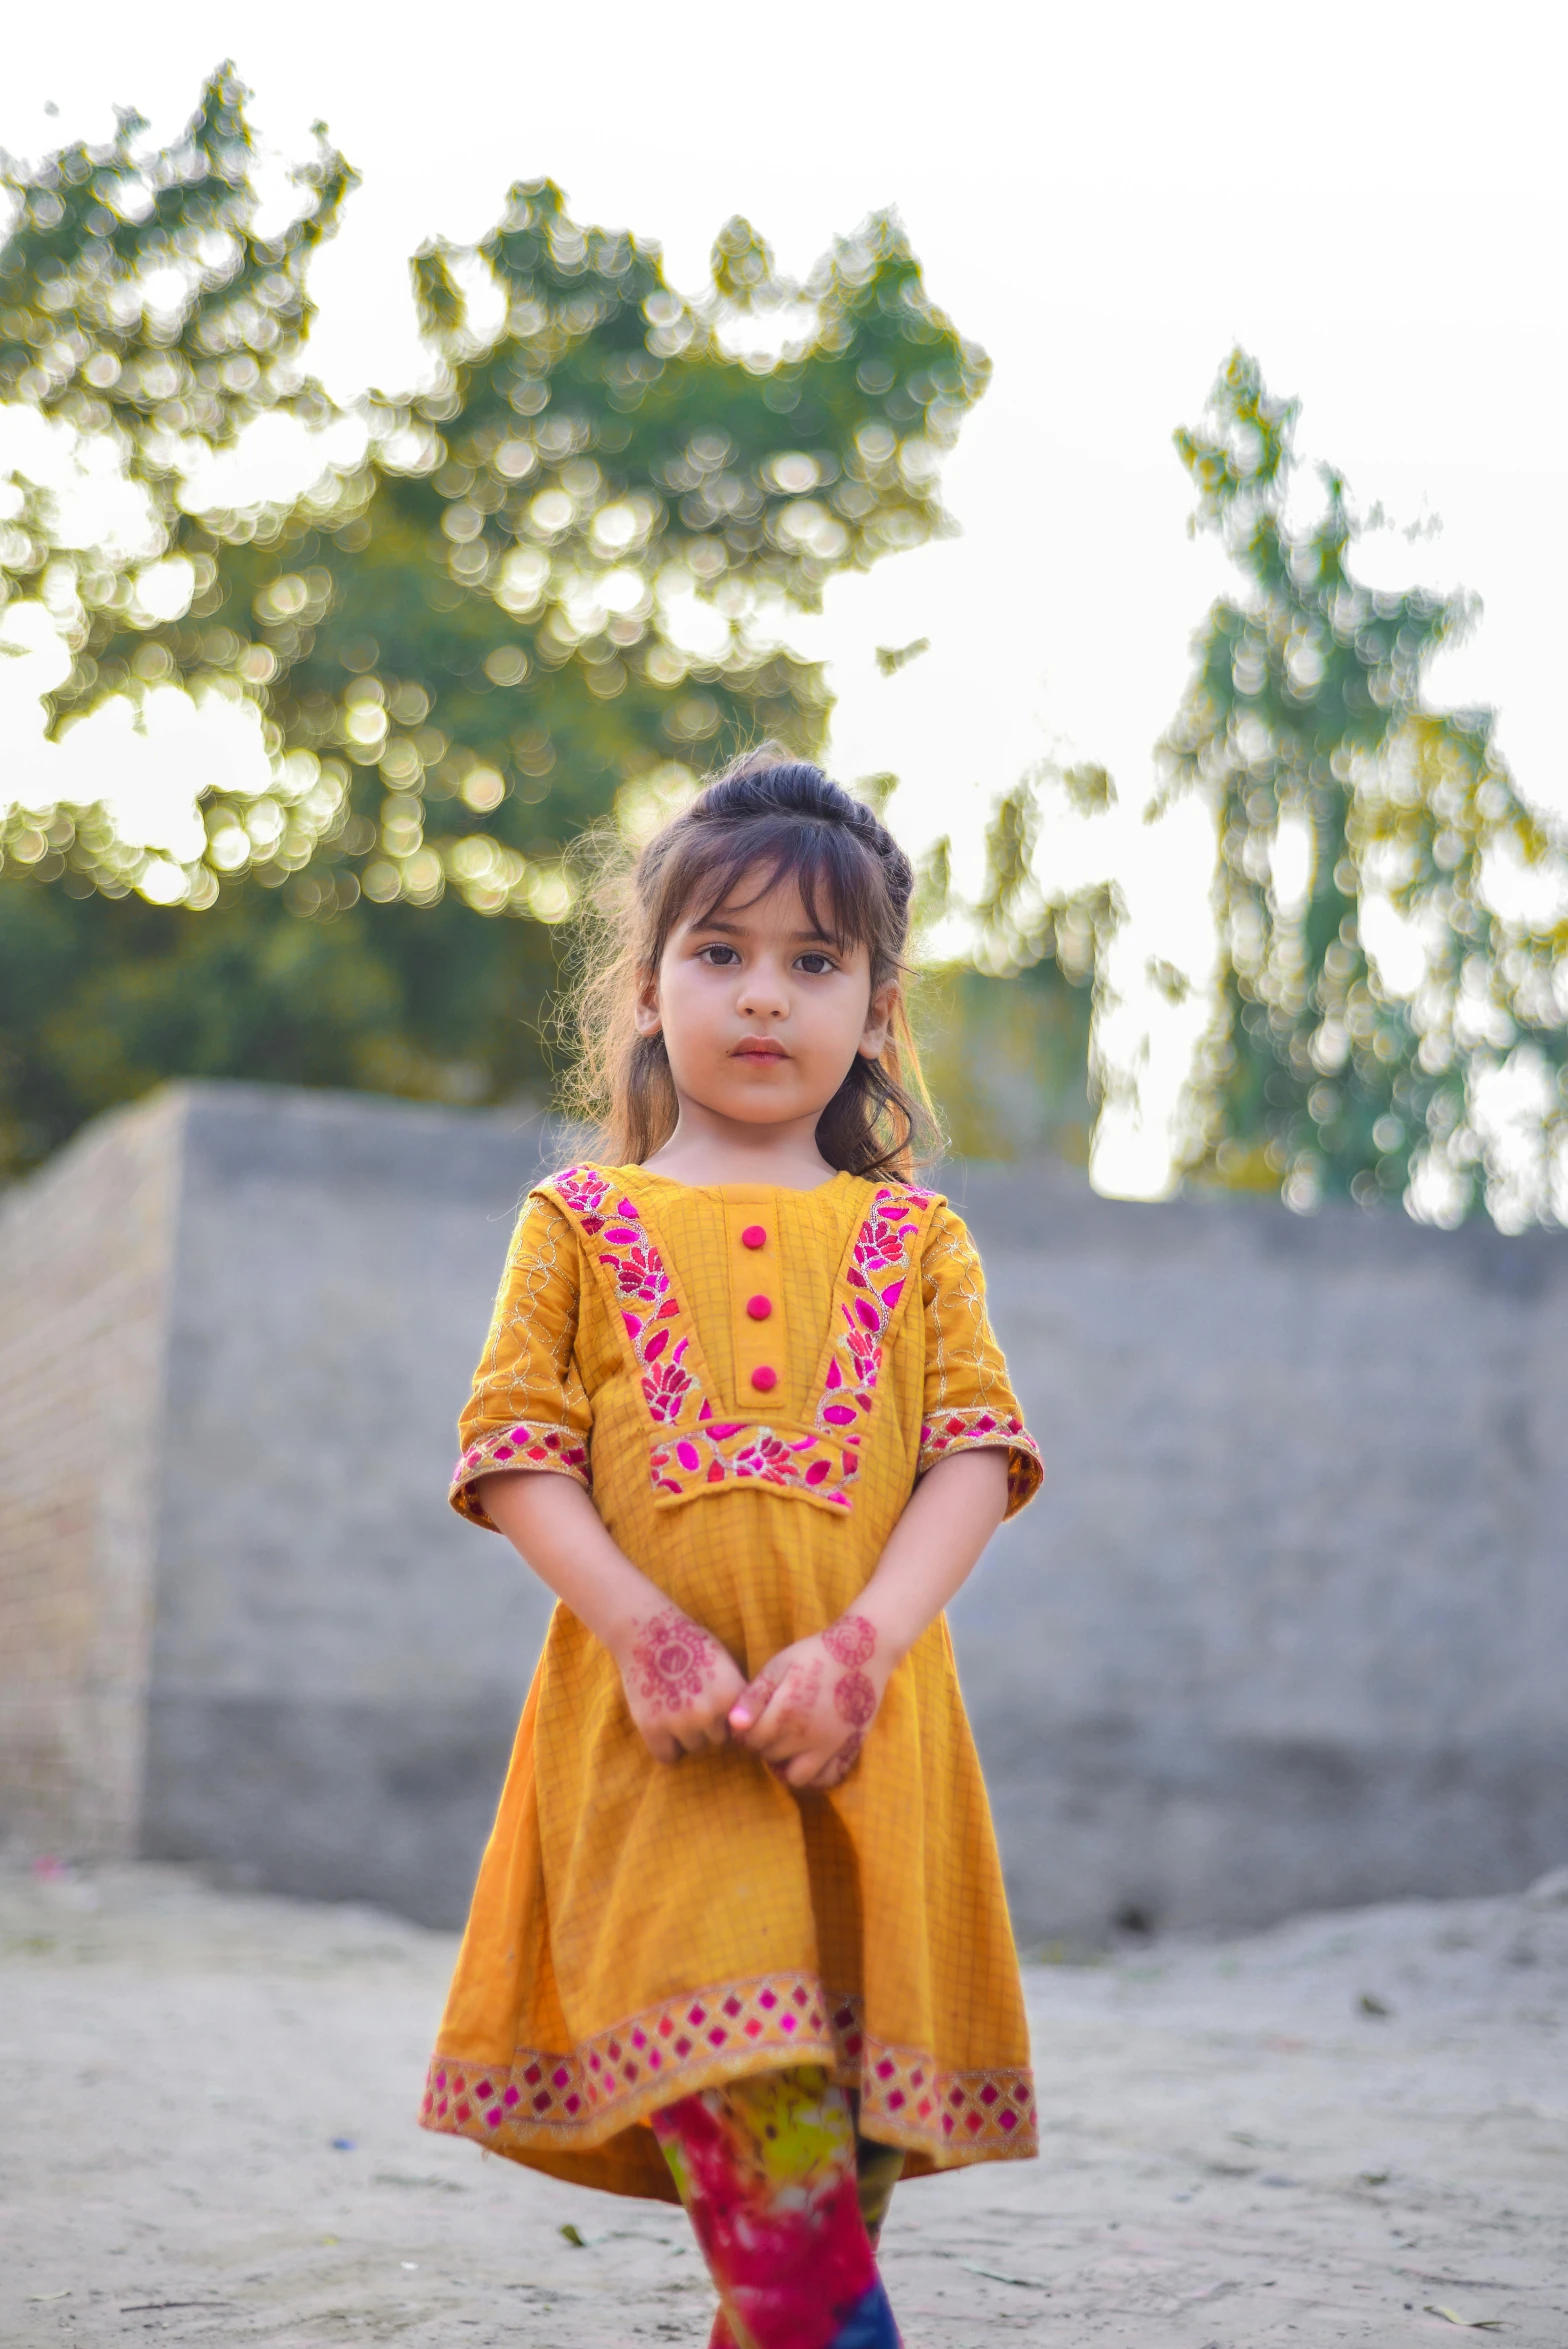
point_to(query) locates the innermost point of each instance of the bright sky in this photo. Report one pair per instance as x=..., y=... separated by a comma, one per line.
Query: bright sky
x=1370, y=196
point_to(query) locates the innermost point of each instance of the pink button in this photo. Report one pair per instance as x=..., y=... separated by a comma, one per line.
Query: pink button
x=764, y=1379
x=759, y=1307
x=754, y=1236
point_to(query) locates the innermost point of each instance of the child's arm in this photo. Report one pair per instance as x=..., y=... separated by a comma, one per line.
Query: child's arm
x=808, y=1710
x=680, y=1684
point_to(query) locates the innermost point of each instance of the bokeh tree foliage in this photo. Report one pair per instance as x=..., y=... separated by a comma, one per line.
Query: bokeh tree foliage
x=1008, y=1024
x=462, y=648
x=1342, y=799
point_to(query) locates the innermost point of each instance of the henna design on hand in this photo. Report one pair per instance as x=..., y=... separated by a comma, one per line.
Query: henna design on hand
x=673, y=1660
x=851, y=1640
x=855, y=1700
x=840, y=1763
x=801, y=1685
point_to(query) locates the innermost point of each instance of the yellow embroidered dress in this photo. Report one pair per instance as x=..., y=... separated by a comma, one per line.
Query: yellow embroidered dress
x=749, y=1381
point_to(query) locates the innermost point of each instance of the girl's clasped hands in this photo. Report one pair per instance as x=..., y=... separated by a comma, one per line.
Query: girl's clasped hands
x=805, y=1715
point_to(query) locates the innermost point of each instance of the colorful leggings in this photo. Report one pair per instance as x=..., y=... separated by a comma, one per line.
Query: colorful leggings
x=787, y=2204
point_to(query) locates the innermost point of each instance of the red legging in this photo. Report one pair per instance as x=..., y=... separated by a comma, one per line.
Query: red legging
x=787, y=2204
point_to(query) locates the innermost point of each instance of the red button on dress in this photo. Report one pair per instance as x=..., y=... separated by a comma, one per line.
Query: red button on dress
x=759, y=1307
x=754, y=1236
x=764, y=1379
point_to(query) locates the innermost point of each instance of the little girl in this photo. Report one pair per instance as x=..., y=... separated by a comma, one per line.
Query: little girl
x=739, y=1935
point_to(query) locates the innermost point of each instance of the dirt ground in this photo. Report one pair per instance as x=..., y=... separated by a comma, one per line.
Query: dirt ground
x=1353, y=2129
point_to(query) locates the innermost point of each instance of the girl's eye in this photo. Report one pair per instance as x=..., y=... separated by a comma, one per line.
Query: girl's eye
x=720, y=956
x=815, y=965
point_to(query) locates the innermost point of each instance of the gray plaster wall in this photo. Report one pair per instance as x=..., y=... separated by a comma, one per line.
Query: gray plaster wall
x=1286, y=1628
x=1289, y=1624
x=85, y=1252
x=338, y=1661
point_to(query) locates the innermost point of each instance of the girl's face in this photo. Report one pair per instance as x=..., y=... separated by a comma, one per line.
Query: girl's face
x=762, y=1015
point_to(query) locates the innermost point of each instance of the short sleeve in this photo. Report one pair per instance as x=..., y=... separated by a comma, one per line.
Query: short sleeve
x=969, y=1401
x=529, y=1408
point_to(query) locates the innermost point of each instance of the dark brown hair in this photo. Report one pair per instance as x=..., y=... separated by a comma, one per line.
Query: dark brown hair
x=772, y=817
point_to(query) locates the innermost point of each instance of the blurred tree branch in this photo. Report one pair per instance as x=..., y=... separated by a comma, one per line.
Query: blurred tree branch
x=558, y=576
x=1009, y=1026
x=1345, y=804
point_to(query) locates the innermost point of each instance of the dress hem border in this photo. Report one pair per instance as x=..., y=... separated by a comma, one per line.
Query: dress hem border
x=574, y=2102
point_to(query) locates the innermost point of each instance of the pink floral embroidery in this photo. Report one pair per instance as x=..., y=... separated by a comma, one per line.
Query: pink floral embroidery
x=640, y=1273
x=769, y=1456
x=875, y=1276
x=582, y=1189
x=819, y=1462
x=626, y=1248
x=974, y=1429
x=527, y=1444
x=608, y=2082
x=542, y=2098
x=723, y=1452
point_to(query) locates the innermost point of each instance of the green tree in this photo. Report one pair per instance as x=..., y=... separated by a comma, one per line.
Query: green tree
x=1007, y=1026
x=464, y=648
x=1306, y=728
x=143, y=310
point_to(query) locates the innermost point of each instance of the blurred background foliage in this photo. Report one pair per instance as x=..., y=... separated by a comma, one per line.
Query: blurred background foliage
x=1392, y=917
x=1007, y=1029
x=553, y=587
x=462, y=648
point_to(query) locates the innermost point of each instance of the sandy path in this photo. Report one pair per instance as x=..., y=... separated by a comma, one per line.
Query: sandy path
x=1236, y=2151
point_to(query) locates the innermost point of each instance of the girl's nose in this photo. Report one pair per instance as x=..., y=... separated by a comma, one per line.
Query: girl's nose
x=761, y=992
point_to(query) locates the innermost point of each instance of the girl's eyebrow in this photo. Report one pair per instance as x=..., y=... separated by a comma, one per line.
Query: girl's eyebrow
x=716, y=921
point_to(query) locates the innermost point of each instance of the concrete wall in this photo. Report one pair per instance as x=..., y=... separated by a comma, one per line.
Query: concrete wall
x=1288, y=1625
x=1285, y=1628
x=338, y=1661
x=84, y=1290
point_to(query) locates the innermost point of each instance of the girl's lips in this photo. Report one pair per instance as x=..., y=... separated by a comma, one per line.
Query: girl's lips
x=756, y=1049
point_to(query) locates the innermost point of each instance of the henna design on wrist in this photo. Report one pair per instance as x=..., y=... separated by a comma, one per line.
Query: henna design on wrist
x=855, y=1700
x=851, y=1640
x=673, y=1660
